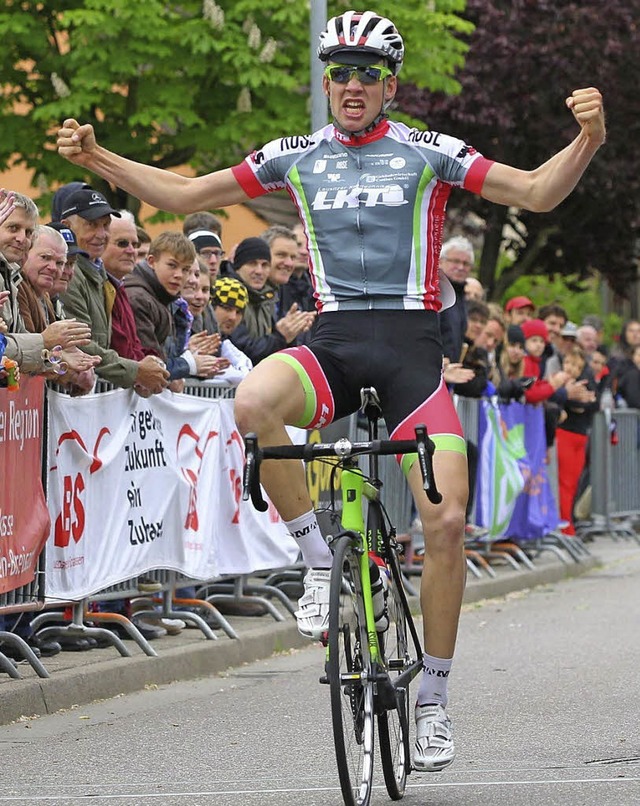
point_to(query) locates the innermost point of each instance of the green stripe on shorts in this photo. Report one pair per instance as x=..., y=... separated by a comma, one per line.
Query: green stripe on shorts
x=443, y=442
x=310, y=399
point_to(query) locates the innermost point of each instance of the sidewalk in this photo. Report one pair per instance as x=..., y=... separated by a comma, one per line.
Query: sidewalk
x=77, y=678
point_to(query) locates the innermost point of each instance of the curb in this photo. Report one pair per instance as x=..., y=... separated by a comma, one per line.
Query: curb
x=103, y=677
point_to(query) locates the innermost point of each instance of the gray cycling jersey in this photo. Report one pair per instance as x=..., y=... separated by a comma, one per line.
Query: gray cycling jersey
x=373, y=209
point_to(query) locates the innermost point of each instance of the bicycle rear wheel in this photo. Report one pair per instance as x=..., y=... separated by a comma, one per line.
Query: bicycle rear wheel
x=393, y=725
x=350, y=677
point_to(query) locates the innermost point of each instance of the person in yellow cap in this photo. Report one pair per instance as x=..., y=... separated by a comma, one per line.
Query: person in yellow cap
x=229, y=299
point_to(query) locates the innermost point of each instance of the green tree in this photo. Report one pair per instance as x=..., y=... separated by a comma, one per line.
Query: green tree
x=525, y=57
x=173, y=83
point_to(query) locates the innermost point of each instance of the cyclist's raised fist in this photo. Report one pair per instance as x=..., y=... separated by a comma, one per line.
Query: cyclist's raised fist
x=588, y=109
x=75, y=142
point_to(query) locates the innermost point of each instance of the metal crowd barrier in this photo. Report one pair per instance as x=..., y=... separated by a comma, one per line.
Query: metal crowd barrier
x=615, y=471
x=614, y=475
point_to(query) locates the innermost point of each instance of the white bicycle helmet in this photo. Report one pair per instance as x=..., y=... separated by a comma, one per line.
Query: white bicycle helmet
x=364, y=32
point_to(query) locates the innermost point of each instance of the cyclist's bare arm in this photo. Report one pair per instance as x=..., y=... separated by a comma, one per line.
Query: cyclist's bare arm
x=162, y=189
x=543, y=188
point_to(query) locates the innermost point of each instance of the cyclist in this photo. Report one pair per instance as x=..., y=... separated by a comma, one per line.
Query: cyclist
x=371, y=195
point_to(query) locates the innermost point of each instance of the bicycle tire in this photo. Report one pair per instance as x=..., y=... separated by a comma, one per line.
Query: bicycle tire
x=393, y=725
x=352, y=701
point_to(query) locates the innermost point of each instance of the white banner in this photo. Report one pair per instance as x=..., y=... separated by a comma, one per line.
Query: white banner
x=139, y=484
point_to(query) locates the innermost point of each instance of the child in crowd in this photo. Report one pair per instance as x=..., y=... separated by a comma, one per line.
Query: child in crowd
x=542, y=390
x=629, y=381
x=513, y=382
x=572, y=435
x=154, y=289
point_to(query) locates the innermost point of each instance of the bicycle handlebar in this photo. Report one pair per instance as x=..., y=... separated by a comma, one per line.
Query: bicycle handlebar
x=341, y=449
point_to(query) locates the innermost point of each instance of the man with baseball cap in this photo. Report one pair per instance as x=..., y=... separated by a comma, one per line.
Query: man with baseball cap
x=518, y=310
x=89, y=296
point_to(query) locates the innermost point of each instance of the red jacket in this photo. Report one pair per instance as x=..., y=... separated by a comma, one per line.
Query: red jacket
x=540, y=390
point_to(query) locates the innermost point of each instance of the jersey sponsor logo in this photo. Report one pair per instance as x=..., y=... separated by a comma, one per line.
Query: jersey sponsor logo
x=384, y=196
x=342, y=165
x=397, y=163
x=333, y=177
x=257, y=157
x=295, y=143
x=319, y=166
x=428, y=138
x=465, y=151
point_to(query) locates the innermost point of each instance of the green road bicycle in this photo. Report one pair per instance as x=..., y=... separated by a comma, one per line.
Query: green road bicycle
x=369, y=665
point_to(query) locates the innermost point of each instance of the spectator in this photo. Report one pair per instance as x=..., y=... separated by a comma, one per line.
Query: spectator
x=17, y=225
x=620, y=359
x=568, y=338
x=299, y=288
x=152, y=287
x=518, y=310
x=587, y=339
x=202, y=219
x=41, y=270
x=208, y=247
x=474, y=357
x=60, y=197
x=513, y=381
x=259, y=334
x=62, y=283
x=197, y=293
x=88, y=214
x=491, y=340
x=629, y=381
x=572, y=435
x=473, y=290
x=595, y=322
x=119, y=258
x=555, y=318
x=144, y=242
x=456, y=262
x=542, y=390
x=601, y=373
x=229, y=300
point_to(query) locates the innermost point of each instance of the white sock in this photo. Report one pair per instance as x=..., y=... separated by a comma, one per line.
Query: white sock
x=305, y=531
x=433, y=684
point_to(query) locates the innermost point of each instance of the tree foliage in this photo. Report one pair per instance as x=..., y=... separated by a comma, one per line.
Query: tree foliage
x=170, y=83
x=525, y=58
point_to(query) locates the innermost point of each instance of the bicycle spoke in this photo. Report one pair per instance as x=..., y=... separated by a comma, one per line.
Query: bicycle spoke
x=349, y=672
x=393, y=725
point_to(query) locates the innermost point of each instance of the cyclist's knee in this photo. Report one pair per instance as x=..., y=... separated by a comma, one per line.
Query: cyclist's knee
x=250, y=410
x=444, y=531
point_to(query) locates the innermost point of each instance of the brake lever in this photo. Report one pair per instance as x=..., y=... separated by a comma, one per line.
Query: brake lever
x=426, y=449
x=251, y=474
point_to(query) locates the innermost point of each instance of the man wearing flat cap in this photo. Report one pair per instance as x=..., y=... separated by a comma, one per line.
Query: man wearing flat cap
x=260, y=334
x=89, y=296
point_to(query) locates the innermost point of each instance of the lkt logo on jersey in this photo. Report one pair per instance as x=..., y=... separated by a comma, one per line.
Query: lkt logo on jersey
x=370, y=196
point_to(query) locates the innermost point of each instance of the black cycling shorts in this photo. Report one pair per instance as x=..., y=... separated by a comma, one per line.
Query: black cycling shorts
x=397, y=352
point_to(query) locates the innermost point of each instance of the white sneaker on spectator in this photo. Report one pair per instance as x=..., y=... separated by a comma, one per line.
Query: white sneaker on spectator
x=313, y=606
x=434, y=748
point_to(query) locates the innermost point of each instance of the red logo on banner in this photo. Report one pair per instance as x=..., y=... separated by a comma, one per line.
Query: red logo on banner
x=24, y=518
x=71, y=521
x=191, y=474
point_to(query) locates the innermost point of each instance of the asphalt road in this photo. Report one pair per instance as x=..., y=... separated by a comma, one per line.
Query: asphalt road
x=545, y=697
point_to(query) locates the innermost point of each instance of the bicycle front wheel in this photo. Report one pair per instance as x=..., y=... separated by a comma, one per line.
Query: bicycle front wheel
x=393, y=725
x=350, y=677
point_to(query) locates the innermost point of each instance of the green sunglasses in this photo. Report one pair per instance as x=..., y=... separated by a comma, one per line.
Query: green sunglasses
x=343, y=73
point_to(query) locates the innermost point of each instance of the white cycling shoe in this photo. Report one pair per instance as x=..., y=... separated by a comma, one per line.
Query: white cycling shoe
x=434, y=748
x=313, y=606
